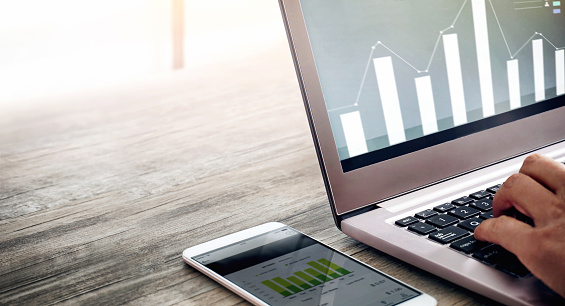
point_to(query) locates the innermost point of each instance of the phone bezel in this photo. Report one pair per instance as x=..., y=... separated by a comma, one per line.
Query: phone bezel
x=189, y=253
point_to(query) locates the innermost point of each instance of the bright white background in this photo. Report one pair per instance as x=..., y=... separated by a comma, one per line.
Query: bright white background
x=64, y=46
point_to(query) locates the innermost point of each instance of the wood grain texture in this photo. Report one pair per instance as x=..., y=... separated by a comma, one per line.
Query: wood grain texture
x=102, y=191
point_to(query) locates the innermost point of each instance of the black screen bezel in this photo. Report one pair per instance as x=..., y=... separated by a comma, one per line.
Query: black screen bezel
x=470, y=128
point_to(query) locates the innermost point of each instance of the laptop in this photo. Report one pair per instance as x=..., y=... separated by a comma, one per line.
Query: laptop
x=419, y=110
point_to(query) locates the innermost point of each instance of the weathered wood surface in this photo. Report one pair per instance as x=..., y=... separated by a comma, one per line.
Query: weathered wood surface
x=102, y=191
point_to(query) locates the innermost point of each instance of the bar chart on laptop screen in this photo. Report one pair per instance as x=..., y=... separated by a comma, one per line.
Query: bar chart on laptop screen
x=394, y=71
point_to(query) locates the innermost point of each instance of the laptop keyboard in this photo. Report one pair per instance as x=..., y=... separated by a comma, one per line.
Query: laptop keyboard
x=453, y=224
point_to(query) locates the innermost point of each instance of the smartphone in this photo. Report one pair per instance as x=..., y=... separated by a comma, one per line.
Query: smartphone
x=273, y=264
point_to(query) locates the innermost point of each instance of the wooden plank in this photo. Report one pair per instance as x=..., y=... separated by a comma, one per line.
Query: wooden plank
x=101, y=192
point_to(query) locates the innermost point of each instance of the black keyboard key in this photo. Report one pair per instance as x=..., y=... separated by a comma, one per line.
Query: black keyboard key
x=462, y=201
x=468, y=245
x=492, y=254
x=443, y=208
x=442, y=220
x=470, y=224
x=494, y=188
x=486, y=215
x=426, y=214
x=422, y=228
x=482, y=205
x=448, y=234
x=513, y=266
x=480, y=194
x=463, y=212
x=406, y=221
x=524, y=218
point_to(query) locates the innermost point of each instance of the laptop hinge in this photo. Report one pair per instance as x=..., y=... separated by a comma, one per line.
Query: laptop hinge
x=354, y=213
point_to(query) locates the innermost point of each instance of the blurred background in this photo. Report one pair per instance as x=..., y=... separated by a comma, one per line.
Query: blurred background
x=54, y=47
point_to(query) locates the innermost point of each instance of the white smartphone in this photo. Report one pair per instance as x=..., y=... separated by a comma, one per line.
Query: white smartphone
x=273, y=264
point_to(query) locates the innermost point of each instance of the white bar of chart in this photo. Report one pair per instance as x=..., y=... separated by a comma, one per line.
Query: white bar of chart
x=483, y=56
x=426, y=103
x=455, y=78
x=514, y=83
x=539, y=79
x=560, y=71
x=389, y=99
x=483, y=76
x=354, y=134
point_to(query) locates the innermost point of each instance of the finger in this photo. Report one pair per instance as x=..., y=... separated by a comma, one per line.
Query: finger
x=504, y=231
x=526, y=195
x=546, y=171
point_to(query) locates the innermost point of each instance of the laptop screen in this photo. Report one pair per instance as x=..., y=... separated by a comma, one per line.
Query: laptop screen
x=399, y=76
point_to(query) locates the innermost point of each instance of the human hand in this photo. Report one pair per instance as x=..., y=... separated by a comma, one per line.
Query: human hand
x=537, y=191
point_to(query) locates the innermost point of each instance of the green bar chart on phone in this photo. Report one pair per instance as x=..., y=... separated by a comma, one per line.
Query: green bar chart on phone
x=276, y=288
x=319, y=272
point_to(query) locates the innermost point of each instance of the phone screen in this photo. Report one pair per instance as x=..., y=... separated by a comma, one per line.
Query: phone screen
x=285, y=267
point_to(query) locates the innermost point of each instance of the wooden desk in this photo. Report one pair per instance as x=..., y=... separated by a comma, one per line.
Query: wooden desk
x=102, y=191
